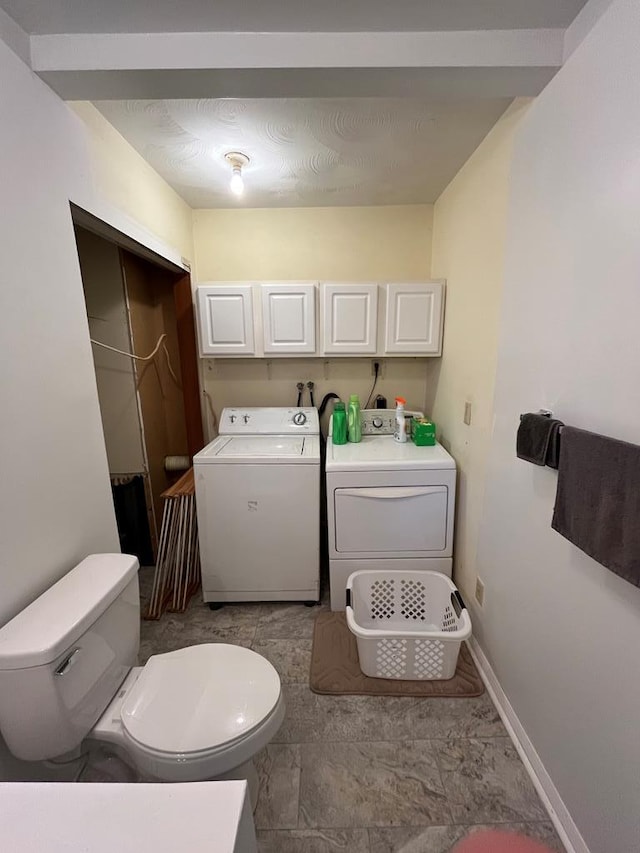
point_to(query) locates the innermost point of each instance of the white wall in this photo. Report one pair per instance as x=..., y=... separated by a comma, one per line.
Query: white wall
x=56, y=500
x=562, y=632
x=57, y=507
x=57, y=503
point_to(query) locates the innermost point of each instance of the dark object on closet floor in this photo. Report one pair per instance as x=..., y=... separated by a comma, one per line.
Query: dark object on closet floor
x=130, y=505
x=538, y=439
x=598, y=500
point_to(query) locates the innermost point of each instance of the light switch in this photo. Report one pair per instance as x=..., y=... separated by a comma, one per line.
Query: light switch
x=467, y=413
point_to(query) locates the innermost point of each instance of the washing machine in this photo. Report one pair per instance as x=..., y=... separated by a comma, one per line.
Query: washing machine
x=258, y=506
x=390, y=506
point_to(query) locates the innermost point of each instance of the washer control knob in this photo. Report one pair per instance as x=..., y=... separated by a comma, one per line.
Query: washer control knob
x=232, y=418
x=245, y=418
x=299, y=419
x=377, y=422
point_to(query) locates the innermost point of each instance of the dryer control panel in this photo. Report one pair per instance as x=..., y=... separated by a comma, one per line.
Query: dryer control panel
x=269, y=421
x=382, y=421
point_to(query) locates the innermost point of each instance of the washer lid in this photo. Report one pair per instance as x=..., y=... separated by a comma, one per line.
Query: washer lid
x=261, y=449
x=281, y=446
x=200, y=697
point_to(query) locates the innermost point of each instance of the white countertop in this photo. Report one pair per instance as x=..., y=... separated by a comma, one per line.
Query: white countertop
x=384, y=453
x=63, y=817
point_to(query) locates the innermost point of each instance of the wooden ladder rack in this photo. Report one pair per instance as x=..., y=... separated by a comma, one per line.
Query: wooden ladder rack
x=177, y=574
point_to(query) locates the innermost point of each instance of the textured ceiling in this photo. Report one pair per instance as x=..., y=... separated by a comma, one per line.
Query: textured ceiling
x=306, y=152
x=118, y=16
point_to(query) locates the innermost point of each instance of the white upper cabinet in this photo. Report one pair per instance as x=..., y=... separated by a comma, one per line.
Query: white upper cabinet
x=225, y=315
x=289, y=318
x=276, y=318
x=349, y=318
x=414, y=318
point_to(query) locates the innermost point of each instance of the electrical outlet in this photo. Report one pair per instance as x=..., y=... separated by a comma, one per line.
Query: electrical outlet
x=480, y=591
x=380, y=364
x=467, y=413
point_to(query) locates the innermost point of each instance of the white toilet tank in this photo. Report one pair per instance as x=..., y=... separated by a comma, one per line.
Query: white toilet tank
x=63, y=658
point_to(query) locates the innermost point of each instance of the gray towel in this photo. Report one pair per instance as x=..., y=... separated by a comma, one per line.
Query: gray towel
x=538, y=439
x=598, y=500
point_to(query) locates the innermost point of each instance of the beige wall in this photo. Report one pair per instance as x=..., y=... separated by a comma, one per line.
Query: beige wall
x=263, y=382
x=340, y=243
x=123, y=178
x=469, y=230
x=351, y=243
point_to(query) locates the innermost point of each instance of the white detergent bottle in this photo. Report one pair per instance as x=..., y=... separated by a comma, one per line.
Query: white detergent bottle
x=400, y=431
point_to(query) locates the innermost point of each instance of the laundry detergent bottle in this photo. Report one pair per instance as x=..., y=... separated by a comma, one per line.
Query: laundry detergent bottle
x=400, y=431
x=339, y=423
x=354, y=424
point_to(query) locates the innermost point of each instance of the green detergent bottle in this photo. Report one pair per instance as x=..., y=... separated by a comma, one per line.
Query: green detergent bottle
x=339, y=423
x=354, y=423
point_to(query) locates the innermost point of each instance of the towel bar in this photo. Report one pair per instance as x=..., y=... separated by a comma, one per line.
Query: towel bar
x=547, y=413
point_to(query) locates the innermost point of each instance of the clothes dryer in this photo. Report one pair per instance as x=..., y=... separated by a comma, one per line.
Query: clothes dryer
x=389, y=505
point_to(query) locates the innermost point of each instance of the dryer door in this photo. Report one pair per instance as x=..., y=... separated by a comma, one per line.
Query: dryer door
x=391, y=519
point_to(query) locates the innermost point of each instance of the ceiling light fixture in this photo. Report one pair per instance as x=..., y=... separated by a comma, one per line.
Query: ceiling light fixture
x=237, y=161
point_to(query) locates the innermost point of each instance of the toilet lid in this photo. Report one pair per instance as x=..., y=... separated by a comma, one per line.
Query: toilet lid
x=200, y=697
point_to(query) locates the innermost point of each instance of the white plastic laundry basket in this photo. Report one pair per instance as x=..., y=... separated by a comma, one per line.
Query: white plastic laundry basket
x=408, y=625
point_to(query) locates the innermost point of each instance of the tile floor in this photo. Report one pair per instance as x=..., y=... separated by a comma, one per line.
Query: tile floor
x=364, y=774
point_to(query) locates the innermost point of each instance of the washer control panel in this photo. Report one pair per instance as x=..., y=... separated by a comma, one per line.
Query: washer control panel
x=382, y=421
x=269, y=421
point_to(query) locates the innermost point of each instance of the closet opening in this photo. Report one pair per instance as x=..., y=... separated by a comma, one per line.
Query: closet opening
x=142, y=328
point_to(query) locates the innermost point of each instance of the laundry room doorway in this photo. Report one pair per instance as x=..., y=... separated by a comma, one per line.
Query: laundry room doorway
x=140, y=305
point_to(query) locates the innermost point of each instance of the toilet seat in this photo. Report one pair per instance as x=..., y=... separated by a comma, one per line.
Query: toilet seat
x=196, y=713
x=199, y=699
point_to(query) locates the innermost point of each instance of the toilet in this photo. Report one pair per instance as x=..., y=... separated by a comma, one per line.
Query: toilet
x=67, y=676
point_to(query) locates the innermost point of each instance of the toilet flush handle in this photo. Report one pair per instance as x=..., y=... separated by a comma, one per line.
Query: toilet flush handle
x=68, y=662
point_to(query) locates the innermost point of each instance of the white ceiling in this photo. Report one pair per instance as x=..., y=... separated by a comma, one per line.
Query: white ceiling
x=338, y=102
x=306, y=152
x=119, y=16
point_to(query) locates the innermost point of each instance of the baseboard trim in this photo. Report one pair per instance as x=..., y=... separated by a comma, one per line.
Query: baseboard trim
x=551, y=799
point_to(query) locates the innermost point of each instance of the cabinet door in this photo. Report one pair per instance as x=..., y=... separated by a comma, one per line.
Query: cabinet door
x=289, y=318
x=349, y=318
x=225, y=315
x=414, y=318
